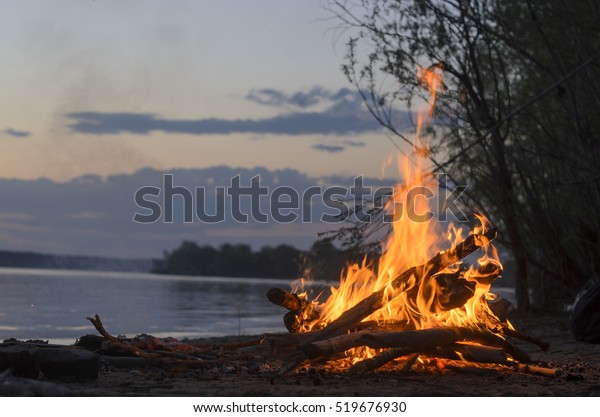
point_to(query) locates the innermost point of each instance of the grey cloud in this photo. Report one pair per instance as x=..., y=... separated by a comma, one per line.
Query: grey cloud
x=330, y=122
x=354, y=144
x=344, y=114
x=17, y=133
x=267, y=97
x=338, y=146
x=301, y=99
x=328, y=148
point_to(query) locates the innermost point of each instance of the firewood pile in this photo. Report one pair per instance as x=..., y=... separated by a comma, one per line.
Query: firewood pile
x=487, y=342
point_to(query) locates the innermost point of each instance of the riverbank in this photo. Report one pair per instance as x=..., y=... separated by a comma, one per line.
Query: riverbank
x=579, y=364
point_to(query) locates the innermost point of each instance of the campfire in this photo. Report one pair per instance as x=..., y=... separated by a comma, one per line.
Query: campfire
x=437, y=308
x=420, y=300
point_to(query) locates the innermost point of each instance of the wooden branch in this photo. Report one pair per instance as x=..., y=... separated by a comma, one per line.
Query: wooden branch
x=410, y=340
x=333, y=345
x=477, y=353
x=282, y=341
x=300, y=310
x=420, y=340
x=285, y=299
x=378, y=299
x=538, y=370
x=525, y=337
x=119, y=343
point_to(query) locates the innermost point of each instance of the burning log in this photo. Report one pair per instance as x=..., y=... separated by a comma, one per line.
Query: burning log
x=453, y=290
x=476, y=353
x=409, y=341
x=378, y=299
x=286, y=299
x=279, y=342
x=487, y=273
x=300, y=310
x=334, y=345
x=381, y=359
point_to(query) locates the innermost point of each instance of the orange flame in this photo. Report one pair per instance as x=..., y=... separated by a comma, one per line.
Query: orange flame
x=415, y=238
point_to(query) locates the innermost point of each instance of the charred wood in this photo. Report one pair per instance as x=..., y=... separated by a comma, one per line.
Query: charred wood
x=300, y=309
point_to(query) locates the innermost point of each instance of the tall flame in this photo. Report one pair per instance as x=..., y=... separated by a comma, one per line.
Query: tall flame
x=416, y=236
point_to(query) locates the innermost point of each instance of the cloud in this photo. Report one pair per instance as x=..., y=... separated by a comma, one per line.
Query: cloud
x=344, y=113
x=354, y=144
x=16, y=133
x=301, y=99
x=328, y=148
x=326, y=123
x=337, y=147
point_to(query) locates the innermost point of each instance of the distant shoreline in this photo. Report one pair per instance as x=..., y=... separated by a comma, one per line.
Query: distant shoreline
x=33, y=260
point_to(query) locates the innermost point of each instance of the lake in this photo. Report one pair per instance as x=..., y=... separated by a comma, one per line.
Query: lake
x=53, y=304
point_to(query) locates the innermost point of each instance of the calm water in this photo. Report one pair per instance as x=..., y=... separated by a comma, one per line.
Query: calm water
x=52, y=304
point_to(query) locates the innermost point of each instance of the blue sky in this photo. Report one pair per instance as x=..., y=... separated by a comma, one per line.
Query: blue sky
x=110, y=87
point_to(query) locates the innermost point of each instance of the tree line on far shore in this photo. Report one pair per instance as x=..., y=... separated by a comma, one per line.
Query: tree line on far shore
x=323, y=261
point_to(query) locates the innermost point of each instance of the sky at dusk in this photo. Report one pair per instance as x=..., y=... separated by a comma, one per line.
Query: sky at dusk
x=107, y=88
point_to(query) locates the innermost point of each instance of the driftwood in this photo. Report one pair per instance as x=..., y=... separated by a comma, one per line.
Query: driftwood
x=378, y=299
x=119, y=343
